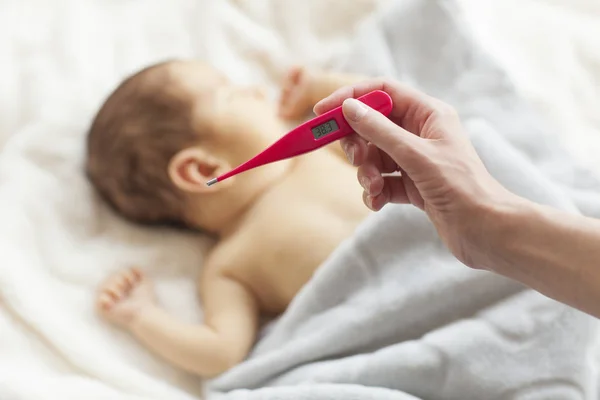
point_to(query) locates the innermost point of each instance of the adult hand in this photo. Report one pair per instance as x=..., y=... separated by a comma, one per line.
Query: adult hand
x=440, y=172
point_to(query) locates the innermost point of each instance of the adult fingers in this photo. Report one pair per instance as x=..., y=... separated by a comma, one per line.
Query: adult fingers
x=375, y=128
x=370, y=172
x=412, y=192
x=355, y=148
x=394, y=191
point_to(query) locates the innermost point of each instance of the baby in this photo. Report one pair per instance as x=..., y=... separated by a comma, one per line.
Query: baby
x=156, y=141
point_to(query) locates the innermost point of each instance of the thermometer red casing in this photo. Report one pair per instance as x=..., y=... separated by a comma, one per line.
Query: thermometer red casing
x=311, y=135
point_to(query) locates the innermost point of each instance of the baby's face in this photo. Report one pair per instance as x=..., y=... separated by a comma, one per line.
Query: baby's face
x=239, y=119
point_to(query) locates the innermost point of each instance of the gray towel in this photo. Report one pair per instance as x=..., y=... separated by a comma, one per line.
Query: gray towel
x=391, y=314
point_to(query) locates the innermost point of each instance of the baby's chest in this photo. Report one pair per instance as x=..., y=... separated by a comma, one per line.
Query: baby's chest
x=286, y=258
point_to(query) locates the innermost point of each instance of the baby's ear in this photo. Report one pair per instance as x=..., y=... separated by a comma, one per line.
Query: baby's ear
x=191, y=168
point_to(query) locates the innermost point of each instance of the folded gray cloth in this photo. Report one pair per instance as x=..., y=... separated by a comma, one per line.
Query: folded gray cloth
x=392, y=314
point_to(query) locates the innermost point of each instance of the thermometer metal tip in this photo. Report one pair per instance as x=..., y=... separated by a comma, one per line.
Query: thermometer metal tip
x=212, y=182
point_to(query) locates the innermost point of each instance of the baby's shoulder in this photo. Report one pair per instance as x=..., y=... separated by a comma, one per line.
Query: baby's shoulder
x=230, y=256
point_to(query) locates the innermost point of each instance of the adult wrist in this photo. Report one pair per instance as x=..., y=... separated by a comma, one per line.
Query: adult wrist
x=505, y=222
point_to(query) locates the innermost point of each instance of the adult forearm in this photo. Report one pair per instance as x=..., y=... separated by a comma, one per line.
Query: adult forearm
x=551, y=251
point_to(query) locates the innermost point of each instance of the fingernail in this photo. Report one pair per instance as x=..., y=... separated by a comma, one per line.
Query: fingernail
x=349, y=149
x=365, y=183
x=369, y=201
x=355, y=110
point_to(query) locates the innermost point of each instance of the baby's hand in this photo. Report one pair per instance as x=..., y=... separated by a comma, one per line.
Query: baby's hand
x=124, y=296
x=296, y=94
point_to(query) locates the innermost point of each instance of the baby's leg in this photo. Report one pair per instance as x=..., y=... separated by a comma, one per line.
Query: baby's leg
x=231, y=322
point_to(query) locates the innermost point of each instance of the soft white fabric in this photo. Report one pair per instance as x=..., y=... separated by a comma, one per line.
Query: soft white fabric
x=58, y=242
x=551, y=49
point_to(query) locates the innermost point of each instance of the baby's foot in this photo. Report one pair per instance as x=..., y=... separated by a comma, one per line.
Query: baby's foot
x=296, y=93
x=124, y=295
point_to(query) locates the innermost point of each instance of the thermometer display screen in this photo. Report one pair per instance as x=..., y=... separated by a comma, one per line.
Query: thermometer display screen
x=325, y=129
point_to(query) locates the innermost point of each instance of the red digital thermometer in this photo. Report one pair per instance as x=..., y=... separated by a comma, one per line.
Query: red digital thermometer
x=311, y=135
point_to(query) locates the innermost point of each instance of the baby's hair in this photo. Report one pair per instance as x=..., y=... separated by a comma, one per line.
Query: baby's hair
x=134, y=135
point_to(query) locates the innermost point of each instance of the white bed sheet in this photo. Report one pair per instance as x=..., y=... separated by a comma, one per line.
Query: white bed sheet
x=57, y=242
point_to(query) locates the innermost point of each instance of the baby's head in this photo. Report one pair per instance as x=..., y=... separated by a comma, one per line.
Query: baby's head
x=168, y=129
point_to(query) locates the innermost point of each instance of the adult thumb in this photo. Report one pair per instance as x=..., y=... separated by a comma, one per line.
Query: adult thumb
x=376, y=128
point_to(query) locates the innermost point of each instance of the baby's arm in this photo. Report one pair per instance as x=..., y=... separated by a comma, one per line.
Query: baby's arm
x=224, y=340
x=303, y=87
